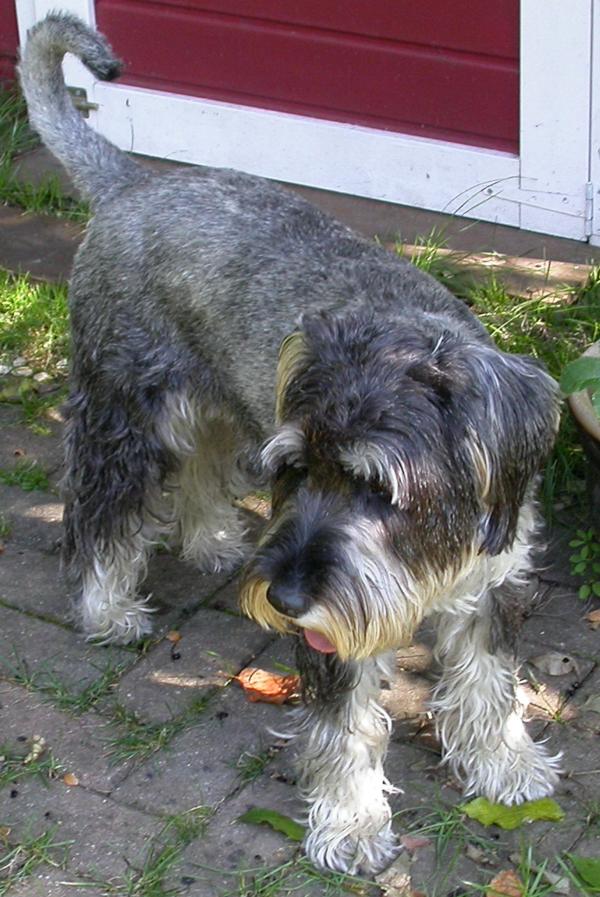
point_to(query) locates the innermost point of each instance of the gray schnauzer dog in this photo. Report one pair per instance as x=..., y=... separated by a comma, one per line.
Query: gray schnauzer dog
x=225, y=331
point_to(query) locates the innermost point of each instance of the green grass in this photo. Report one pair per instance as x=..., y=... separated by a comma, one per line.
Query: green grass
x=251, y=766
x=5, y=527
x=28, y=475
x=14, y=767
x=33, y=321
x=15, y=138
x=139, y=739
x=19, y=861
x=58, y=693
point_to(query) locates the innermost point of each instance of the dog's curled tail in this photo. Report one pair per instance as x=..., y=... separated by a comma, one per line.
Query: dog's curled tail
x=96, y=166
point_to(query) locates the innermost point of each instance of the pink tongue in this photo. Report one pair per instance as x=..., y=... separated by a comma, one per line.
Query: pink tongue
x=319, y=642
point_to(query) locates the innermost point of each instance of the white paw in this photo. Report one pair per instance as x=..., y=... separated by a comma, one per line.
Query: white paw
x=121, y=624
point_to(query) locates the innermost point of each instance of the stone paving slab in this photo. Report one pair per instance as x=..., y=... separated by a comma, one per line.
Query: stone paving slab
x=53, y=654
x=20, y=443
x=214, y=646
x=49, y=882
x=106, y=838
x=40, y=245
x=32, y=581
x=208, y=761
x=177, y=589
x=212, y=864
x=79, y=744
x=559, y=623
x=34, y=518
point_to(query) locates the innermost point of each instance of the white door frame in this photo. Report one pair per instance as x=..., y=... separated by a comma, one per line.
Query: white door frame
x=546, y=188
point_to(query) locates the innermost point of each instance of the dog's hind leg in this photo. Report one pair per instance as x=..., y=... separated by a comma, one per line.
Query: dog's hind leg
x=114, y=512
x=208, y=527
x=344, y=735
x=478, y=716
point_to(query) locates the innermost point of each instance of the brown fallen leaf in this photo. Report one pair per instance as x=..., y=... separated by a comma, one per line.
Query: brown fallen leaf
x=5, y=831
x=554, y=663
x=70, y=779
x=593, y=619
x=505, y=884
x=173, y=636
x=412, y=842
x=272, y=688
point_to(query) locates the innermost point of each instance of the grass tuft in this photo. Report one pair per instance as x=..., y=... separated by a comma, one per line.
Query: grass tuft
x=19, y=861
x=33, y=321
x=28, y=475
x=16, y=138
x=140, y=739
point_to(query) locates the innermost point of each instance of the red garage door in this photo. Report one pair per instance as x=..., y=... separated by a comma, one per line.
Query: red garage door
x=8, y=39
x=440, y=69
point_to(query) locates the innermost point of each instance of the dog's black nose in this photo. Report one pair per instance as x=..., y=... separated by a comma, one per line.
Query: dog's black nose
x=287, y=598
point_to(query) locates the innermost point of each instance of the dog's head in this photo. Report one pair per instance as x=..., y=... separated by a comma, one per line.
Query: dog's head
x=402, y=453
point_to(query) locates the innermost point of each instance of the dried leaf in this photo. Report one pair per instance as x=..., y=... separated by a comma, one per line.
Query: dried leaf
x=277, y=821
x=508, y=818
x=38, y=746
x=272, y=688
x=477, y=855
x=593, y=619
x=5, y=831
x=505, y=884
x=395, y=880
x=70, y=779
x=555, y=664
x=173, y=636
x=412, y=842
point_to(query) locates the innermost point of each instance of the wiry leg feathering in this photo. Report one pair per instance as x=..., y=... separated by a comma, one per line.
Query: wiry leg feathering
x=477, y=713
x=345, y=735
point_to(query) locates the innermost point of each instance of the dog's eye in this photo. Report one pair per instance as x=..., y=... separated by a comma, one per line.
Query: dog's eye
x=381, y=490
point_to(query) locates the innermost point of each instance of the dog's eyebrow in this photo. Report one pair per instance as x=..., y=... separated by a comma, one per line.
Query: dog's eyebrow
x=372, y=462
x=287, y=445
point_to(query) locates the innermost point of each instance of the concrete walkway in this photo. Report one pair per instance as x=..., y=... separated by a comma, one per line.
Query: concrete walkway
x=125, y=771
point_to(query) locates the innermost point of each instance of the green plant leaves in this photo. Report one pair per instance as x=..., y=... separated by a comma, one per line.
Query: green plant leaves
x=508, y=818
x=260, y=816
x=580, y=374
x=588, y=870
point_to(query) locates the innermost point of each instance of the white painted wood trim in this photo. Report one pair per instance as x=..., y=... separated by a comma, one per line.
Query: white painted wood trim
x=594, y=177
x=308, y=151
x=543, y=189
x=555, y=115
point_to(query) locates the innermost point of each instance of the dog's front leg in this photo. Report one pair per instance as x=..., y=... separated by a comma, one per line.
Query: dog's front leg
x=478, y=716
x=345, y=735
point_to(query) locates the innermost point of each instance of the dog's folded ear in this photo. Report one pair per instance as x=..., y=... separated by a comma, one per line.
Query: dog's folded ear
x=508, y=411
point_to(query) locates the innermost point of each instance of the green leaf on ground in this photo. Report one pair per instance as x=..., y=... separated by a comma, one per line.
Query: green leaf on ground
x=260, y=816
x=487, y=813
x=588, y=870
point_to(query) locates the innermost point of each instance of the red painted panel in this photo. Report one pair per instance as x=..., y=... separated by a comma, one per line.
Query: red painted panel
x=476, y=26
x=9, y=39
x=402, y=85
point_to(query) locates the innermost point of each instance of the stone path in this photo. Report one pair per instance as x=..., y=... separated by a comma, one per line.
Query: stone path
x=149, y=757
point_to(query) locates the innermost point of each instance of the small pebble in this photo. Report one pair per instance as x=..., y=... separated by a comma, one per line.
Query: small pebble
x=41, y=377
x=62, y=365
x=23, y=372
x=4, y=369
x=19, y=361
